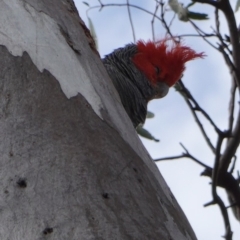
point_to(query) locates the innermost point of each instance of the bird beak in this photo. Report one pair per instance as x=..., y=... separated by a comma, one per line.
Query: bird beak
x=161, y=90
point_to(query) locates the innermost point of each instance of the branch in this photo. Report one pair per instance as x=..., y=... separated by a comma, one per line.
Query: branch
x=219, y=35
x=233, y=143
x=216, y=198
x=231, y=186
x=188, y=96
x=231, y=147
x=185, y=154
x=231, y=66
x=234, y=36
x=162, y=19
x=202, y=34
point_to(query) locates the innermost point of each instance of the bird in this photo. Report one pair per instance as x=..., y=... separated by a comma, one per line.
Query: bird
x=144, y=71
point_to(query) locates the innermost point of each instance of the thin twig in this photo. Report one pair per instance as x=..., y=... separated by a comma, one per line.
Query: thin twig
x=231, y=66
x=207, y=35
x=198, y=108
x=153, y=21
x=223, y=45
x=187, y=96
x=162, y=19
x=185, y=154
x=218, y=33
x=101, y=6
x=131, y=22
x=202, y=34
x=171, y=22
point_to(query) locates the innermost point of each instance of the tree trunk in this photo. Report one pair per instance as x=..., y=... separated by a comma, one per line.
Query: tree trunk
x=71, y=164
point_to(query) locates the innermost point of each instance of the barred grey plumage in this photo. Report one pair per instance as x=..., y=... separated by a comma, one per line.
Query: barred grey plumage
x=134, y=89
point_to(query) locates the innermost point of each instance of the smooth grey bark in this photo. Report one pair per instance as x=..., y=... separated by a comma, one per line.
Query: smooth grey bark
x=65, y=173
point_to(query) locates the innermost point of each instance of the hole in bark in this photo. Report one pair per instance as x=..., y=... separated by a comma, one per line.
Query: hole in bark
x=105, y=195
x=22, y=183
x=47, y=231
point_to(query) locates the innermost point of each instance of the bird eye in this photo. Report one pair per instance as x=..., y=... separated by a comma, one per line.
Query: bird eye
x=157, y=70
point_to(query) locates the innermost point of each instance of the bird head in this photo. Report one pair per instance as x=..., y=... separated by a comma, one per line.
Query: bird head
x=163, y=63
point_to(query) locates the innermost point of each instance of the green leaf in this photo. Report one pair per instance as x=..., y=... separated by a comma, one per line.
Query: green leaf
x=197, y=16
x=150, y=115
x=92, y=31
x=179, y=10
x=237, y=5
x=146, y=134
x=190, y=4
x=86, y=3
x=174, y=5
x=184, y=14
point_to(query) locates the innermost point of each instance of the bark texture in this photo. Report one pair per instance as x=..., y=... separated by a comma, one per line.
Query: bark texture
x=65, y=172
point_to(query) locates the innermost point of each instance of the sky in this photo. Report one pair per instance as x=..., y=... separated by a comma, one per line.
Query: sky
x=208, y=80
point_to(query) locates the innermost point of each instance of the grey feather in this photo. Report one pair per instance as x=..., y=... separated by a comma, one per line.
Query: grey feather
x=133, y=87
